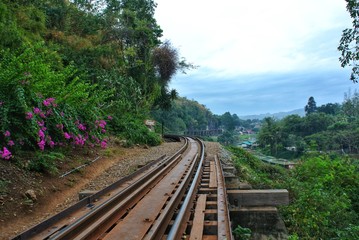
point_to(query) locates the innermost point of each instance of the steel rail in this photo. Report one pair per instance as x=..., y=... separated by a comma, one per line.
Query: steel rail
x=105, y=212
x=50, y=226
x=160, y=203
x=224, y=230
x=178, y=226
x=158, y=224
x=156, y=232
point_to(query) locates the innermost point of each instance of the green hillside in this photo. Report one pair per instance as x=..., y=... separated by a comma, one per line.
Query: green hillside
x=73, y=73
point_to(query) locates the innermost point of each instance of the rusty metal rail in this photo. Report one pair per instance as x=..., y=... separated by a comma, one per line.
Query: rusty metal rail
x=178, y=226
x=66, y=217
x=209, y=215
x=162, y=201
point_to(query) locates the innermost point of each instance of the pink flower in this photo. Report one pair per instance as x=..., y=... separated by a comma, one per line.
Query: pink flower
x=103, y=144
x=49, y=112
x=60, y=126
x=7, y=134
x=11, y=143
x=41, y=134
x=42, y=115
x=5, y=154
x=37, y=110
x=41, y=145
x=29, y=115
x=81, y=127
x=52, y=144
x=47, y=102
x=41, y=124
x=96, y=139
x=102, y=124
x=103, y=131
x=109, y=118
x=66, y=135
x=79, y=140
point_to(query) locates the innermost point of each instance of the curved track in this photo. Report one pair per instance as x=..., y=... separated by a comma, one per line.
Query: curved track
x=176, y=197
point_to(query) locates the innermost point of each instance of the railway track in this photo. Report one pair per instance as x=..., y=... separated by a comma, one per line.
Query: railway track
x=177, y=197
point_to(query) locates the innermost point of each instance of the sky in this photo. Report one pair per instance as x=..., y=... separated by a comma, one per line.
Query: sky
x=260, y=56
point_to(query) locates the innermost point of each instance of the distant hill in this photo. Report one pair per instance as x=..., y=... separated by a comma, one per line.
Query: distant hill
x=279, y=115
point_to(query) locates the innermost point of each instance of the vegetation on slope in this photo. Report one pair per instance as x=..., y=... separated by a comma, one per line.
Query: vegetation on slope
x=324, y=192
x=74, y=72
x=186, y=115
x=324, y=186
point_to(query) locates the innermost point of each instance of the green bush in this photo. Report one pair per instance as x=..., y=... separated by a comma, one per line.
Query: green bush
x=242, y=233
x=45, y=162
x=135, y=132
x=39, y=106
x=255, y=172
x=349, y=233
x=324, y=193
x=324, y=197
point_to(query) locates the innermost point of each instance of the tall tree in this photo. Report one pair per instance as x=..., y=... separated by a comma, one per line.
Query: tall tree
x=185, y=115
x=270, y=134
x=317, y=122
x=166, y=62
x=228, y=121
x=311, y=107
x=329, y=108
x=350, y=106
x=349, y=43
x=293, y=124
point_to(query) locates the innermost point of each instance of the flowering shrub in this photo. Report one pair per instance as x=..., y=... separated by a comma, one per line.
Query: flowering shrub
x=66, y=131
x=44, y=109
x=60, y=131
x=5, y=154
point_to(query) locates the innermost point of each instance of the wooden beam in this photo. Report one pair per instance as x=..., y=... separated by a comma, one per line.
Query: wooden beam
x=198, y=220
x=270, y=197
x=213, y=175
x=240, y=210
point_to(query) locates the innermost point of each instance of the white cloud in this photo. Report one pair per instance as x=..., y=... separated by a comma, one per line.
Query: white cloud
x=234, y=36
x=257, y=56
